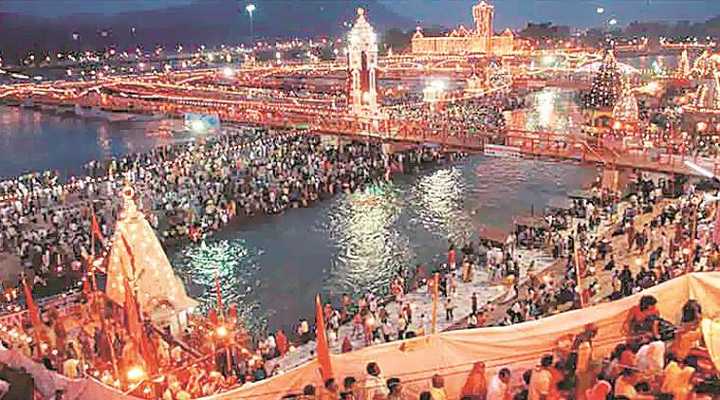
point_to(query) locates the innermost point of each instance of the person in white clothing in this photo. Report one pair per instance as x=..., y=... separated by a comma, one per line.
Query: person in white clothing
x=499, y=388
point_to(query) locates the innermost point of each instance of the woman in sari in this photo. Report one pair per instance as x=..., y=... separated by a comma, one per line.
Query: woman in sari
x=475, y=387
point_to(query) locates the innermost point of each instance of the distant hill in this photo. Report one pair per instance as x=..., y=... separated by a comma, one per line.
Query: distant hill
x=209, y=22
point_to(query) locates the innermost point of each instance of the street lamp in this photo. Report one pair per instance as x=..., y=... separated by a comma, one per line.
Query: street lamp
x=250, y=8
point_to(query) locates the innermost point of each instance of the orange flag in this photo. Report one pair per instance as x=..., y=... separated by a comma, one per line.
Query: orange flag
x=323, y=350
x=87, y=291
x=135, y=328
x=33, y=310
x=95, y=228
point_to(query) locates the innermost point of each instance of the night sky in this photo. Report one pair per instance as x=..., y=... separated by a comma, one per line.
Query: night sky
x=514, y=13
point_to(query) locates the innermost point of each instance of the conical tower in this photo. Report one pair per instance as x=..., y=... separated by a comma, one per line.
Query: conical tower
x=701, y=66
x=606, y=84
x=137, y=254
x=626, y=108
x=707, y=97
x=683, y=69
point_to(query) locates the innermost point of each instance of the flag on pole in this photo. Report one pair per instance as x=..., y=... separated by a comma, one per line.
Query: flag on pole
x=323, y=350
x=716, y=231
x=130, y=254
x=87, y=291
x=33, y=310
x=435, y=295
x=96, y=229
x=135, y=329
x=579, y=272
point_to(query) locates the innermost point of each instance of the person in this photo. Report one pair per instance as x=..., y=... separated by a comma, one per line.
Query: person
x=583, y=347
x=472, y=321
x=346, y=345
x=540, y=380
x=281, y=342
x=437, y=389
x=375, y=385
x=677, y=380
x=308, y=392
x=600, y=390
x=425, y=396
x=474, y=303
x=449, y=307
x=475, y=387
x=642, y=315
x=330, y=391
x=349, y=390
x=651, y=358
x=625, y=386
x=395, y=389
x=499, y=388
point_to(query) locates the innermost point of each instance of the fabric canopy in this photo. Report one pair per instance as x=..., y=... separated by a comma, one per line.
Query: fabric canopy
x=452, y=354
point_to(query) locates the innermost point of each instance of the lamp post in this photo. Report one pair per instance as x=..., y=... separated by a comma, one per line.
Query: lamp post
x=250, y=8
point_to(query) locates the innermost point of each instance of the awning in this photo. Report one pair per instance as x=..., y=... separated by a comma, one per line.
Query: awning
x=580, y=194
x=496, y=235
x=560, y=203
x=531, y=222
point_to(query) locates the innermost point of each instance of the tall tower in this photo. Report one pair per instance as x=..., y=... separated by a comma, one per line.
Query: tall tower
x=362, y=63
x=483, y=14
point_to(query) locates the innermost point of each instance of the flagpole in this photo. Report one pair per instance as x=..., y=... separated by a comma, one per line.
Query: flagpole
x=436, y=284
x=578, y=272
x=92, y=232
x=103, y=326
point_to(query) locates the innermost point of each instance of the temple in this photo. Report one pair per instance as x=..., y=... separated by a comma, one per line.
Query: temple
x=481, y=40
x=362, y=63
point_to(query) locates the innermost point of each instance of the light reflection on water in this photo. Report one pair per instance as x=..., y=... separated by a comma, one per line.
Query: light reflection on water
x=34, y=140
x=356, y=242
x=273, y=266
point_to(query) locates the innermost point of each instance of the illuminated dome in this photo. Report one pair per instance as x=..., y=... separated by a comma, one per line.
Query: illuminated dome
x=362, y=34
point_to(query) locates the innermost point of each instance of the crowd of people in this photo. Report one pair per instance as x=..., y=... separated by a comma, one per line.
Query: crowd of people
x=644, y=225
x=186, y=191
x=656, y=234
x=656, y=360
x=462, y=117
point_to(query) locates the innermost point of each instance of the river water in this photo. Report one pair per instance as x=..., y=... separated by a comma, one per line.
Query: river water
x=34, y=140
x=273, y=266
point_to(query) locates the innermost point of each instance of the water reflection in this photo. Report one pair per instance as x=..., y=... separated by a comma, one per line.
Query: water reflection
x=32, y=140
x=550, y=109
x=355, y=242
x=363, y=227
x=232, y=263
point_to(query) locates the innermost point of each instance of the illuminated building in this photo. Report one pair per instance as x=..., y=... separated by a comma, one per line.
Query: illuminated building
x=362, y=63
x=625, y=114
x=137, y=255
x=481, y=40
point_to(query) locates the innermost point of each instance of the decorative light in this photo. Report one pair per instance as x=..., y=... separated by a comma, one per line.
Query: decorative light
x=135, y=373
x=221, y=331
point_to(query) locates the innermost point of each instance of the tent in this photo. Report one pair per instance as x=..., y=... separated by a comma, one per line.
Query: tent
x=137, y=254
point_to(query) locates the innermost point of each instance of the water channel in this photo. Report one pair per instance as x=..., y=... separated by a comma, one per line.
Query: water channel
x=273, y=266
